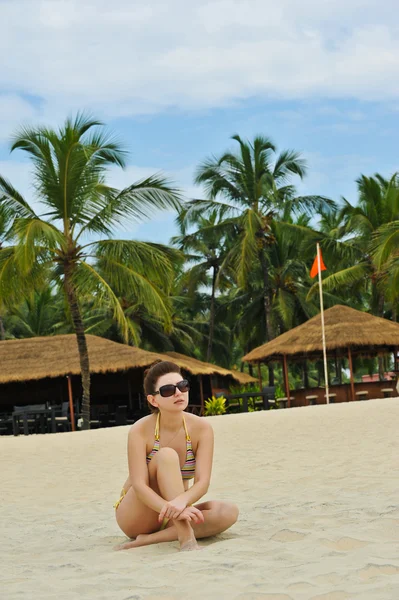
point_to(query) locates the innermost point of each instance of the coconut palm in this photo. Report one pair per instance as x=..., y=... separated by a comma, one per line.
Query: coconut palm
x=69, y=176
x=39, y=314
x=250, y=190
x=206, y=248
x=385, y=246
x=372, y=276
x=256, y=191
x=5, y=222
x=369, y=229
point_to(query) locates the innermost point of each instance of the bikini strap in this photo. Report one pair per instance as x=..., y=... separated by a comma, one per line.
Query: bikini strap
x=157, y=428
x=188, y=439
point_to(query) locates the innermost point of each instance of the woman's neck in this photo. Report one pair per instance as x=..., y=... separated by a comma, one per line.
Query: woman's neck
x=171, y=422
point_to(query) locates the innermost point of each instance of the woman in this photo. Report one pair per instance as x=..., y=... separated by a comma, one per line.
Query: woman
x=165, y=451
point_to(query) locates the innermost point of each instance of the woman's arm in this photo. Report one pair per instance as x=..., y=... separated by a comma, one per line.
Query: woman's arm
x=138, y=471
x=203, y=465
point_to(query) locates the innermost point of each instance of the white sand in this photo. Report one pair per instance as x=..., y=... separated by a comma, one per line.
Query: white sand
x=317, y=488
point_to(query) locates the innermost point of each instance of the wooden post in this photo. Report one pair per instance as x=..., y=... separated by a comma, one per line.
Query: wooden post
x=351, y=375
x=260, y=377
x=286, y=381
x=71, y=410
x=201, y=395
x=395, y=359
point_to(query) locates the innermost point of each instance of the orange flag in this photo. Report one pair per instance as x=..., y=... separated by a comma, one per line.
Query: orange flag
x=315, y=267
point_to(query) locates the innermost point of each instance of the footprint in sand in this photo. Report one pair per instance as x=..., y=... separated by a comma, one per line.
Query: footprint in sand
x=330, y=578
x=263, y=597
x=332, y=596
x=286, y=535
x=372, y=571
x=345, y=544
x=300, y=586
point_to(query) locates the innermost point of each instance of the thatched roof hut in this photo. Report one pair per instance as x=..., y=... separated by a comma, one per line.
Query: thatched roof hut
x=348, y=332
x=57, y=356
x=34, y=370
x=345, y=328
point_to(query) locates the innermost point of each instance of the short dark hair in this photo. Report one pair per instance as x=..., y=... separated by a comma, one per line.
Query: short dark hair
x=154, y=372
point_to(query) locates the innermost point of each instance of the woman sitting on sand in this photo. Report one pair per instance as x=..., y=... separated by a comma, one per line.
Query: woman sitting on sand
x=165, y=450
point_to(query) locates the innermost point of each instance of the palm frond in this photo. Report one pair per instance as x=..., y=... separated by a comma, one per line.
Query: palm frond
x=342, y=279
x=138, y=202
x=13, y=202
x=385, y=243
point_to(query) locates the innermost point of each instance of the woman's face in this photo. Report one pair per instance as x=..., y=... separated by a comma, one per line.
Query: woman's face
x=175, y=403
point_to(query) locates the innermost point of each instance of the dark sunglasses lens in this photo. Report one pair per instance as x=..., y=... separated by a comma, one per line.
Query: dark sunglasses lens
x=167, y=390
x=183, y=385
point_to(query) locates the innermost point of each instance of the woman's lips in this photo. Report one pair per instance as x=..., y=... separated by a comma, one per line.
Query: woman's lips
x=179, y=401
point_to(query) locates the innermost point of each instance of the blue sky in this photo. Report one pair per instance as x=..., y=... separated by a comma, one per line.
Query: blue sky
x=175, y=80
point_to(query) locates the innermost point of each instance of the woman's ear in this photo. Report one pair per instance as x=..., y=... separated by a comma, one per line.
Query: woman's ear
x=151, y=400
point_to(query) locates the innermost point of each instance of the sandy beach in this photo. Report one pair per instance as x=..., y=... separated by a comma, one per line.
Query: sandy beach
x=317, y=488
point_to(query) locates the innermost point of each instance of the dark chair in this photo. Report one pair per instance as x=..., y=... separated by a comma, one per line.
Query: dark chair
x=62, y=417
x=120, y=415
x=5, y=424
x=269, y=392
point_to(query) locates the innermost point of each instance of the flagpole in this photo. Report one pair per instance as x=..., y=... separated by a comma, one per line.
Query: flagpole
x=322, y=326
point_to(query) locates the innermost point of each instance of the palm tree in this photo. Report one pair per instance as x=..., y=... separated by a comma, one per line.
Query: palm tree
x=255, y=189
x=4, y=227
x=39, y=314
x=369, y=229
x=206, y=248
x=385, y=246
x=69, y=175
x=373, y=274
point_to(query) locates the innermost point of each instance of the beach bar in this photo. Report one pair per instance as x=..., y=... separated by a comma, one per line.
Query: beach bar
x=349, y=334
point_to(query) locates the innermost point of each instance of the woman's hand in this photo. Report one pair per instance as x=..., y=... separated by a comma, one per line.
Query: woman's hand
x=172, y=509
x=191, y=514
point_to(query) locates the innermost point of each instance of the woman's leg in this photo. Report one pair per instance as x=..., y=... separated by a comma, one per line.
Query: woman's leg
x=218, y=516
x=165, y=470
x=135, y=518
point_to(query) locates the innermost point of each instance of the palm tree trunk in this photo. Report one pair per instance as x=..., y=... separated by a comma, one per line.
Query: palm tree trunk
x=82, y=345
x=381, y=369
x=212, y=316
x=2, y=330
x=267, y=307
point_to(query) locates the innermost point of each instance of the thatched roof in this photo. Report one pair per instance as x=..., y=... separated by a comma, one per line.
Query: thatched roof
x=344, y=327
x=198, y=367
x=57, y=356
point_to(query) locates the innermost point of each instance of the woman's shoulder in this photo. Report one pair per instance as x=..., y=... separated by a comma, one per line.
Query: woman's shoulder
x=197, y=423
x=143, y=426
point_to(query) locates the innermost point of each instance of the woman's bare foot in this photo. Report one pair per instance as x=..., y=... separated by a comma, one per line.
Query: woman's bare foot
x=189, y=545
x=187, y=539
x=141, y=540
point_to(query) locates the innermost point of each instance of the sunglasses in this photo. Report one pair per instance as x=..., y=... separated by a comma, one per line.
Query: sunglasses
x=168, y=390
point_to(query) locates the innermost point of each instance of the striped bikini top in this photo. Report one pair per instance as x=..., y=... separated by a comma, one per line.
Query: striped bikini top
x=188, y=469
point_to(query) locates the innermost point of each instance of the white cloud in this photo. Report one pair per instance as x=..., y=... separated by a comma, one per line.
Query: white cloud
x=14, y=110
x=124, y=58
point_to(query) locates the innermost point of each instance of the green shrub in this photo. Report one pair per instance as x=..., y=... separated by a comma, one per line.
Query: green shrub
x=215, y=406
x=279, y=392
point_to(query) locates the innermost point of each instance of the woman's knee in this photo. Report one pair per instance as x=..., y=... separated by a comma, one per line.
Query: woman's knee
x=231, y=513
x=166, y=455
x=226, y=513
